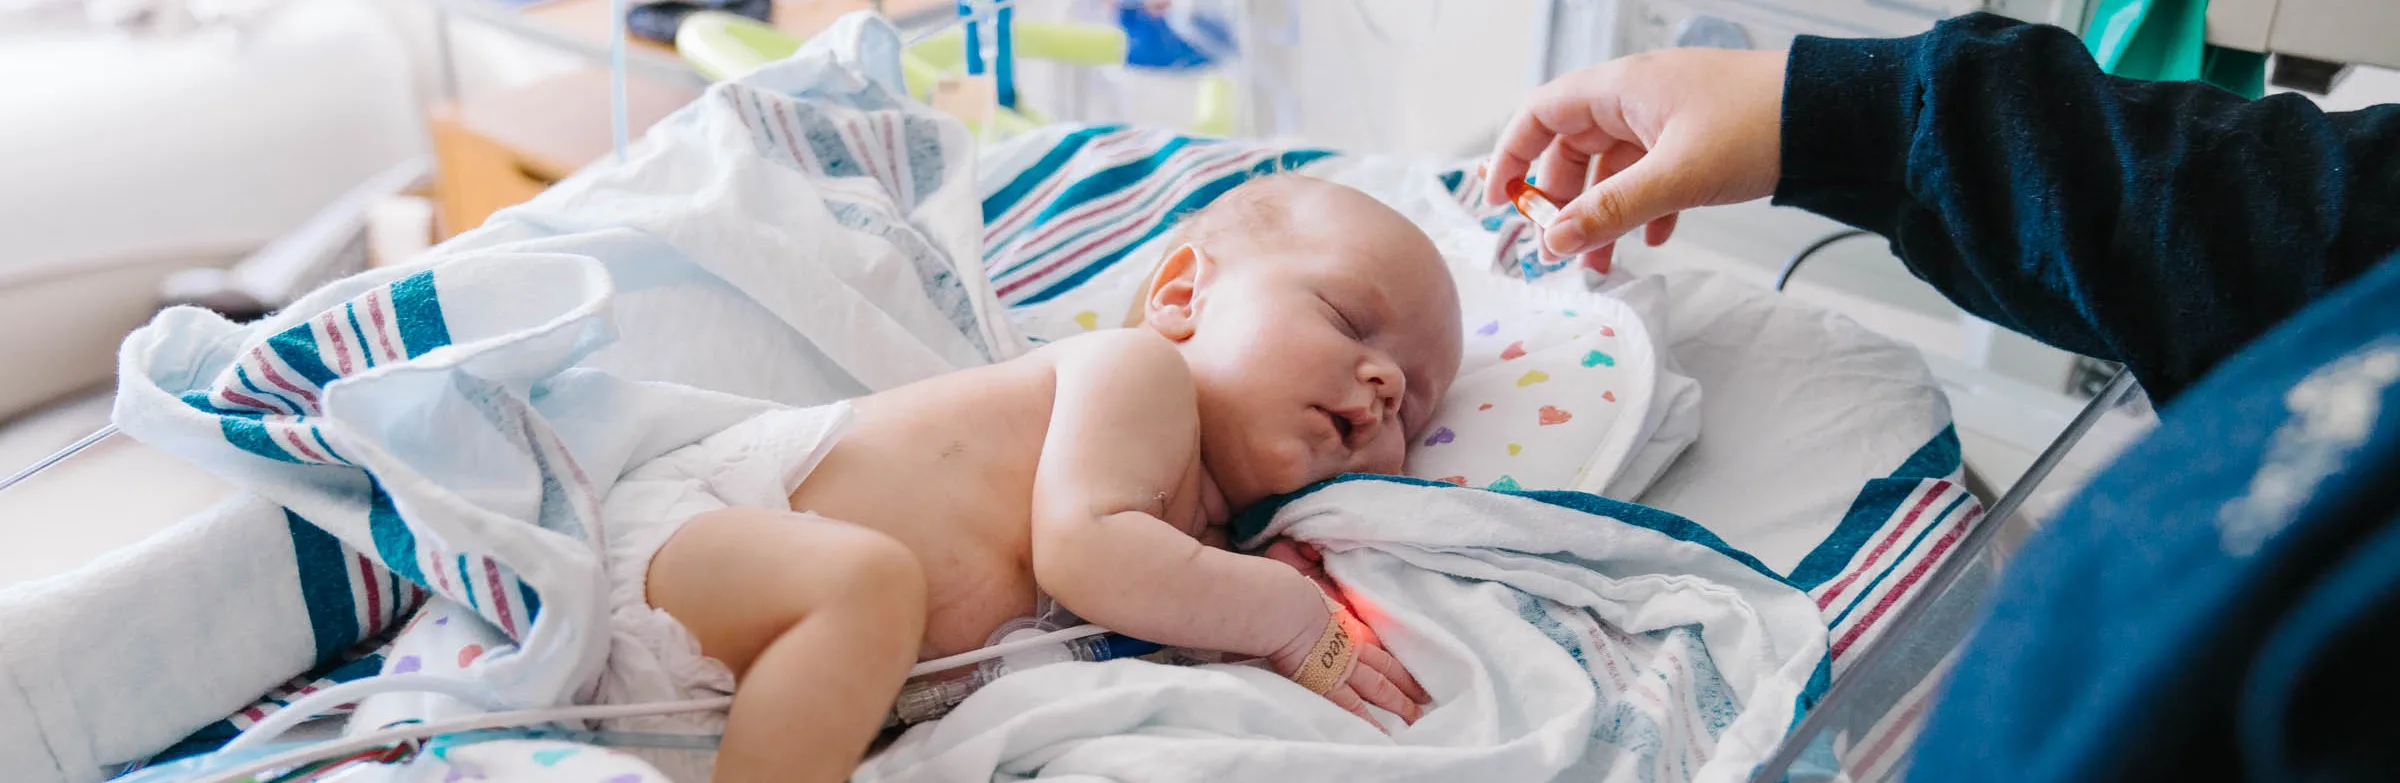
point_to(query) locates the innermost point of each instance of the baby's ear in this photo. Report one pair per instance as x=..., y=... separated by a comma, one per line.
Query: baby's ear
x=1173, y=295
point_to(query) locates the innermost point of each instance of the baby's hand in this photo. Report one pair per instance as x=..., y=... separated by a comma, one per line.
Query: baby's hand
x=1343, y=661
x=1304, y=558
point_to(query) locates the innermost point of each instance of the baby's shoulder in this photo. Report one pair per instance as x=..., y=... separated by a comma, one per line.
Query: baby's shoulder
x=1118, y=351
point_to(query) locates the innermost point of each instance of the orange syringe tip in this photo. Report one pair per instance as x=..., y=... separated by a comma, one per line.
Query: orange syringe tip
x=1531, y=202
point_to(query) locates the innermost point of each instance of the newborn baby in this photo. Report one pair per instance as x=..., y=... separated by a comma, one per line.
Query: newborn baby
x=1295, y=330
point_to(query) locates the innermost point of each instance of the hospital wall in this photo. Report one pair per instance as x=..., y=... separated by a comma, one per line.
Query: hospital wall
x=125, y=158
x=1407, y=77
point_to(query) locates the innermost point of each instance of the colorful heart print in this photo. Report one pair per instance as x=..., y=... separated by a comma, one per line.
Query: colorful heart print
x=1440, y=436
x=1532, y=377
x=467, y=654
x=1513, y=448
x=1504, y=484
x=1596, y=359
x=551, y=757
x=1609, y=396
x=1458, y=480
x=1607, y=332
x=1088, y=320
x=407, y=663
x=1513, y=350
x=1484, y=407
x=1489, y=329
x=1550, y=414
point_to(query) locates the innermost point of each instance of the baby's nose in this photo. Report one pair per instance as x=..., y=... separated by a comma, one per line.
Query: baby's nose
x=1383, y=375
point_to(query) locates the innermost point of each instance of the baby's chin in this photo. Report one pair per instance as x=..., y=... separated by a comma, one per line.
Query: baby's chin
x=1267, y=473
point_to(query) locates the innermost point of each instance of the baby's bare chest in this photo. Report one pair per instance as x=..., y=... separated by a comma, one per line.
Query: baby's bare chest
x=961, y=502
x=947, y=467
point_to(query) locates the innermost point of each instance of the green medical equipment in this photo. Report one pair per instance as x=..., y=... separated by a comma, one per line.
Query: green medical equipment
x=2167, y=40
x=725, y=46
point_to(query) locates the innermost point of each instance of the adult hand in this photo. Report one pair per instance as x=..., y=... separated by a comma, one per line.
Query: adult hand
x=1671, y=130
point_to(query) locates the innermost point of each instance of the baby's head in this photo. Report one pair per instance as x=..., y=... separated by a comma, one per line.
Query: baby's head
x=1321, y=328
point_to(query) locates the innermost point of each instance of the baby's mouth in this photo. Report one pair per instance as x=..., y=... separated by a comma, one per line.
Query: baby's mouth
x=1341, y=423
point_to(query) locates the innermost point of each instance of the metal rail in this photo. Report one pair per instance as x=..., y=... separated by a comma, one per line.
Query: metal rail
x=1970, y=550
x=72, y=449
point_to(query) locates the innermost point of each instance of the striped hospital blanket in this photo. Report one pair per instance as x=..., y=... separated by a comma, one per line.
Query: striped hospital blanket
x=1094, y=196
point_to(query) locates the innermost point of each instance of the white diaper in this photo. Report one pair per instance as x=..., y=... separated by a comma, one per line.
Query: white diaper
x=754, y=464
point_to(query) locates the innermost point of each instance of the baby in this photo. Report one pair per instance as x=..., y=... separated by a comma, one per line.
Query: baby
x=1296, y=330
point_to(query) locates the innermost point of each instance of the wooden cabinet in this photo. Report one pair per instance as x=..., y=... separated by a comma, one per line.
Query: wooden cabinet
x=498, y=149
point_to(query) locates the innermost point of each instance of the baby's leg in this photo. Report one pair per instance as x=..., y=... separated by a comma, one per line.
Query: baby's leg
x=819, y=620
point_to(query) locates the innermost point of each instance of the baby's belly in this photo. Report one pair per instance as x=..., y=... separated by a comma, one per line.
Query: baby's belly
x=966, y=601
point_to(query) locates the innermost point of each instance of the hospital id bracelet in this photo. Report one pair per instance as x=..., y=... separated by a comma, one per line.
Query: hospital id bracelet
x=1328, y=663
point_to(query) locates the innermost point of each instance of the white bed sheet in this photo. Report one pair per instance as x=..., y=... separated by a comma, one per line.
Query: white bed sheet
x=1801, y=406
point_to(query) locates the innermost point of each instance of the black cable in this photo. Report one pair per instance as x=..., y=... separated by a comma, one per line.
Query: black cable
x=1793, y=265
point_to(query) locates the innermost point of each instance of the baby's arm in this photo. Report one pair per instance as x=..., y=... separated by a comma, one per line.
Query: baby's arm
x=1124, y=431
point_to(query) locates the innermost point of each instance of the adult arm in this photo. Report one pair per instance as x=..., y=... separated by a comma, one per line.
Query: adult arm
x=2164, y=225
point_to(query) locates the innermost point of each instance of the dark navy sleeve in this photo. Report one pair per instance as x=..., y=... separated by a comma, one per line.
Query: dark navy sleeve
x=2163, y=225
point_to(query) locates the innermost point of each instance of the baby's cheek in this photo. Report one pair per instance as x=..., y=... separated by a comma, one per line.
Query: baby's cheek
x=1275, y=466
x=1388, y=454
x=1295, y=466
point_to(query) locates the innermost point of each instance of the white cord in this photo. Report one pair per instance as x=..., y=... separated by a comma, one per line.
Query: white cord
x=300, y=711
x=495, y=720
x=1005, y=648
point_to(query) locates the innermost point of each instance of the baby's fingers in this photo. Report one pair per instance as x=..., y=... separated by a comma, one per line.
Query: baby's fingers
x=1377, y=689
x=1345, y=697
x=1383, y=663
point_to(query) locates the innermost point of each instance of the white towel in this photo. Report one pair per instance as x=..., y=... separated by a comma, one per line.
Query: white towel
x=134, y=651
x=1563, y=636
